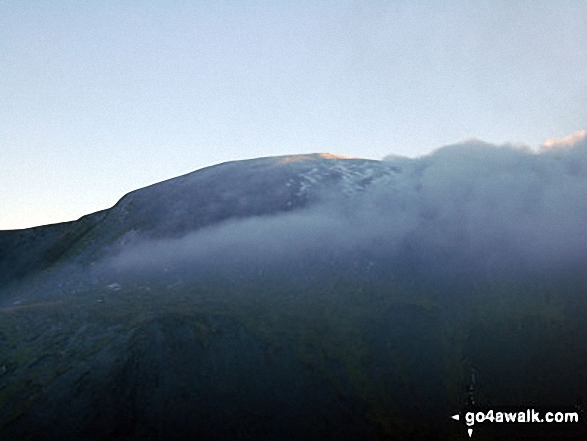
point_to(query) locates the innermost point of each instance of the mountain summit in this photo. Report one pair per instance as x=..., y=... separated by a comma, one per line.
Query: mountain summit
x=232, y=190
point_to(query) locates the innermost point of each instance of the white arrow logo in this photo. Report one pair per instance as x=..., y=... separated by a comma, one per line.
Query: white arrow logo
x=457, y=417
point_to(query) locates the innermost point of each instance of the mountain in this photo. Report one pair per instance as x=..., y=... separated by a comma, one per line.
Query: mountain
x=233, y=190
x=302, y=297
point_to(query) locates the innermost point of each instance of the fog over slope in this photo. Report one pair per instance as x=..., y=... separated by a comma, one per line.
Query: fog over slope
x=477, y=204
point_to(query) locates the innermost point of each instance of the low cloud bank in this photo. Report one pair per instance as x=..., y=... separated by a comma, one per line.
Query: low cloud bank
x=471, y=205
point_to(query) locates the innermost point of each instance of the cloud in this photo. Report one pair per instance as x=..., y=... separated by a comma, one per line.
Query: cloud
x=505, y=204
x=470, y=206
x=568, y=141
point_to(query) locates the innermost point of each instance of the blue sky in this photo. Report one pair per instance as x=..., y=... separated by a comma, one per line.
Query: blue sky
x=99, y=98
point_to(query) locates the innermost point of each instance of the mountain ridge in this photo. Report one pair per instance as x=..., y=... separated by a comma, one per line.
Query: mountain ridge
x=178, y=205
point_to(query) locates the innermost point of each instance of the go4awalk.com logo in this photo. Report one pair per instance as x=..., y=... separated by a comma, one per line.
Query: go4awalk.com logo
x=513, y=422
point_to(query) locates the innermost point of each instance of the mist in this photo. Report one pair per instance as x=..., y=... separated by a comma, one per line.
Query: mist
x=472, y=206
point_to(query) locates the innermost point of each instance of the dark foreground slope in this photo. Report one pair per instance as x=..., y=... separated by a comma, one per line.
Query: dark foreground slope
x=285, y=298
